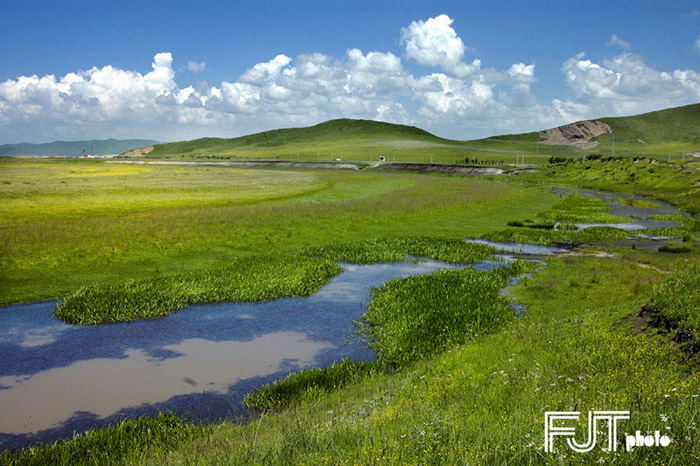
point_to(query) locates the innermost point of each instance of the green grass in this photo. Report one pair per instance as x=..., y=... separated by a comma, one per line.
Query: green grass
x=453, y=250
x=675, y=305
x=53, y=243
x=251, y=278
x=674, y=183
x=414, y=318
x=255, y=278
x=455, y=398
x=574, y=208
x=310, y=384
x=674, y=125
x=110, y=446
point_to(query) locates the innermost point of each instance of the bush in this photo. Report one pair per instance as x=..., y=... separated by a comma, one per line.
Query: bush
x=674, y=249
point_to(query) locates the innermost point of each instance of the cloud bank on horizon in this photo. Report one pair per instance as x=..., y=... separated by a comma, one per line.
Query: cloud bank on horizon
x=454, y=98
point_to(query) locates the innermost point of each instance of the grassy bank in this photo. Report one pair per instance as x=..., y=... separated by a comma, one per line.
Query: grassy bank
x=675, y=307
x=482, y=403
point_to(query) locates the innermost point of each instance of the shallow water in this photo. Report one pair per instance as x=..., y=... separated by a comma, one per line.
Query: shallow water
x=518, y=248
x=199, y=362
x=639, y=214
x=627, y=226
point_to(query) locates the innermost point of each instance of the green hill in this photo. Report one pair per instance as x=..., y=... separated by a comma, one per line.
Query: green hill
x=665, y=134
x=335, y=138
x=673, y=125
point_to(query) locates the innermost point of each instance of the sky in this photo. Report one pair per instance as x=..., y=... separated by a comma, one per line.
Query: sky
x=176, y=70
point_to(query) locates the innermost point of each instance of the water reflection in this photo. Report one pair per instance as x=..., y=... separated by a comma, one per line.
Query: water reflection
x=57, y=378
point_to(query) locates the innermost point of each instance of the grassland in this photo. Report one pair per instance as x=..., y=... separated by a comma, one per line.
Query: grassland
x=450, y=394
x=54, y=239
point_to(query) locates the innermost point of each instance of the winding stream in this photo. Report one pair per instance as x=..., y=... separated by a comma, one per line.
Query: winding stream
x=56, y=379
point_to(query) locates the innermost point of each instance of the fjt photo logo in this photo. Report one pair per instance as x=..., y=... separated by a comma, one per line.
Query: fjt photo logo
x=563, y=424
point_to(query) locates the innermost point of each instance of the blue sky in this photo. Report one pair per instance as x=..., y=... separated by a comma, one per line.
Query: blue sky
x=179, y=70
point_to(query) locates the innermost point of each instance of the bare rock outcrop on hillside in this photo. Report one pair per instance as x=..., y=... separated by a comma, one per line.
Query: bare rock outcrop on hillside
x=140, y=152
x=577, y=134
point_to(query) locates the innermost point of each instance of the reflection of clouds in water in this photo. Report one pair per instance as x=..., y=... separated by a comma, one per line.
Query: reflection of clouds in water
x=32, y=337
x=104, y=386
x=345, y=292
x=621, y=226
x=517, y=247
x=87, y=374
x=42, y=336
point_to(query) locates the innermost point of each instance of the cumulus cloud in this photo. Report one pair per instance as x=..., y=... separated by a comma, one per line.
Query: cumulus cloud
x=434, y=42
x=624, y=85
x=196, y=67
x=614, y=40
x=460, y=99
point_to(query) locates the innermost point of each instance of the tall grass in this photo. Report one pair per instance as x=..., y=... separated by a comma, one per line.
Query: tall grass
x=310, y=384
x=251, y=278
x=112, y=445
x=676, y=304
x=413, y=318
x=453, y=250
x=256, y=278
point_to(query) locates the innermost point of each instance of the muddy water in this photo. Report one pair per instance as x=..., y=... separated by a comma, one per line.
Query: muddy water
x=57, y=378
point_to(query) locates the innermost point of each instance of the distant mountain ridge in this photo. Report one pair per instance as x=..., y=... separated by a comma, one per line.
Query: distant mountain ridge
x=74, y=148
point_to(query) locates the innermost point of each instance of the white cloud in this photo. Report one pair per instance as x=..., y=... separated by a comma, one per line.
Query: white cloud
x=614, y=40
x=624, y=85
x=461, y=99
x=434, y=42
x=196, y=67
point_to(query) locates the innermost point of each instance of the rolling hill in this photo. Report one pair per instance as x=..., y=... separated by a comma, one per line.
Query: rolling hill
x=663, y=134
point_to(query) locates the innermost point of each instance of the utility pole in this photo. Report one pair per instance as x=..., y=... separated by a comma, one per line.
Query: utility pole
x=613, y=145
